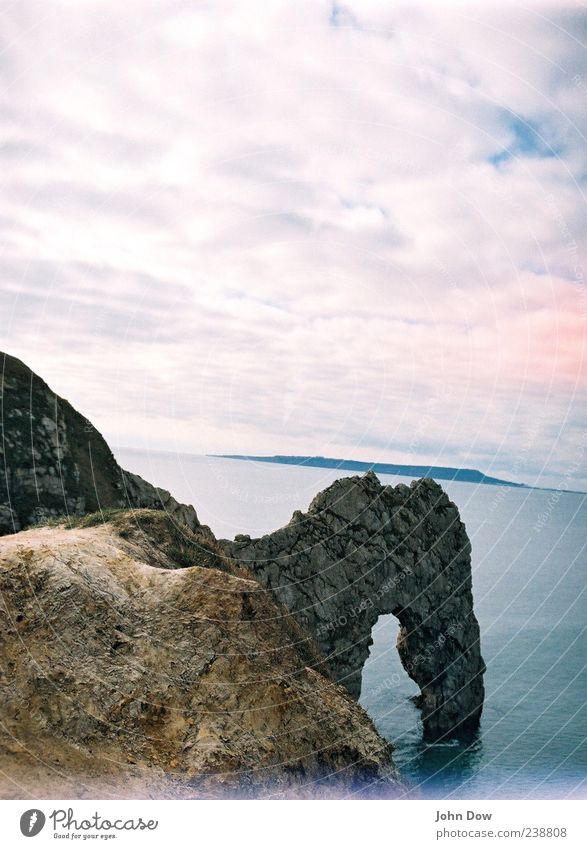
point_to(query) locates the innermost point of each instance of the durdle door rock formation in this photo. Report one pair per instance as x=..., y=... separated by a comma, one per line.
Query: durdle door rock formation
x=53, y=462
x=122, y=674
x=135, y=660
x=137, y=648
x=362, y=550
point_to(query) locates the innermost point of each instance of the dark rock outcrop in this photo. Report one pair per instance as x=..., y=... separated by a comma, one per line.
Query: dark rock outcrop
x=122, y=674
x=53, y=461
x=362, y=550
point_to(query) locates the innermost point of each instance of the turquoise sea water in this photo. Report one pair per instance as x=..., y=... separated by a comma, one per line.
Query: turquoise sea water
x=529, y=580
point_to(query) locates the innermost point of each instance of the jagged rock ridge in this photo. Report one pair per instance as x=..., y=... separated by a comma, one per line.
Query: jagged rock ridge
x=363, y=550
x=53, y=461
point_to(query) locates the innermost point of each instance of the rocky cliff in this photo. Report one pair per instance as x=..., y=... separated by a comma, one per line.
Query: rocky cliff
x=53, y=461
x=124, y=675
x=362, y=550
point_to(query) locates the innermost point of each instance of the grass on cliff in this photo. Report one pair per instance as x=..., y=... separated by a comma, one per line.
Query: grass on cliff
x=89, y=520
x=159, y=532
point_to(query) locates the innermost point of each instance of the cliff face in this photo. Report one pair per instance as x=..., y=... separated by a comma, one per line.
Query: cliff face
x=124, y=675
x=362, y=550
x=53, y=462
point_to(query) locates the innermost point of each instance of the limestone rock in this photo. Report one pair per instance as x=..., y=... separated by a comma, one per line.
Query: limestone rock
x=362, y=550
x=53, y=461
x=124, y=675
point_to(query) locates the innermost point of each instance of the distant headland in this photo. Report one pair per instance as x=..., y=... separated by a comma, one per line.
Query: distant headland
x=443, y=473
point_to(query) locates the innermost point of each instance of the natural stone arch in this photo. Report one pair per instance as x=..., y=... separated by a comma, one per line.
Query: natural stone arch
x=363, y=550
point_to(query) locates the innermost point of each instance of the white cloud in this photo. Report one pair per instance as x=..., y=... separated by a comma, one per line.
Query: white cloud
x=303, y=227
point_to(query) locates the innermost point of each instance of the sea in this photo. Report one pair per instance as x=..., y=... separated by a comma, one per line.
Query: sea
x=529, y=584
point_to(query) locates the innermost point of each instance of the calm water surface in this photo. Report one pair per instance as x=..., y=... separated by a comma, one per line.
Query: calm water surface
x=529, y=579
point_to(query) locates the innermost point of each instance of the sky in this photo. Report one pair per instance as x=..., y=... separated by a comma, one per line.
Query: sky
x=350, y=229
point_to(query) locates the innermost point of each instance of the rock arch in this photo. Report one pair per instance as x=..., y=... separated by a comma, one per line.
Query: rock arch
x=363, y=549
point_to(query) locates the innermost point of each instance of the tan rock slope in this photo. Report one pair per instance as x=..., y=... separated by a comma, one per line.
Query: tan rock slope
x=122, y=675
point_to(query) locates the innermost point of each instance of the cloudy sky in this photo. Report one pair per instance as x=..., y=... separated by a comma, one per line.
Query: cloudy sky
x=353, y=229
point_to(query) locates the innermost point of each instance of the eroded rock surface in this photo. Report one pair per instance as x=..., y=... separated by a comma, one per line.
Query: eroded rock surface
x=362, y=550
x=53, y=461
x=124, y=675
